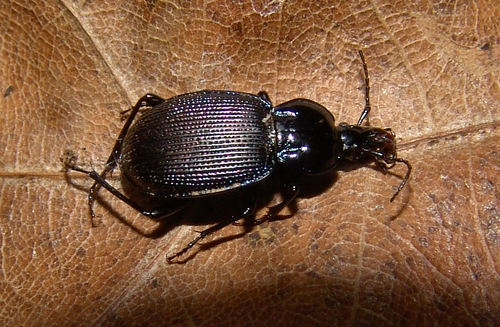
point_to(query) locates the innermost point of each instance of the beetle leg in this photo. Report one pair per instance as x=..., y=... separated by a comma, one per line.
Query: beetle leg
x=99, y=180
x=392, y=162
x=264, y=95
x=405, y=179
x=202, y=235
x=291, y=190
x=367, y=108
x=249, y=211
x=383, y=166
x=148, y=100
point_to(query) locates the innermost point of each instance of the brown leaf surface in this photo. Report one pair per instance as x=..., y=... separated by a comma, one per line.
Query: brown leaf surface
x=348, y=257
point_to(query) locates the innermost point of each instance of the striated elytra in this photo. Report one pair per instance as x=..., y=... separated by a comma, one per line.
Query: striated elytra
x=211, y=142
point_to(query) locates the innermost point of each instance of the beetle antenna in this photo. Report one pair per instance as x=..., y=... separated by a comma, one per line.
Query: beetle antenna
x=405, y=179
x=367, y=108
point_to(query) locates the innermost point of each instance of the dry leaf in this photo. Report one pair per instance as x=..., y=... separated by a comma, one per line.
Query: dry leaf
x=348, y=257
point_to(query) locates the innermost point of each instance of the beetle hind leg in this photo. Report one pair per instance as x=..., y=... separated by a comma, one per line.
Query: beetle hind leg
x=101, y=181
x=148, y=100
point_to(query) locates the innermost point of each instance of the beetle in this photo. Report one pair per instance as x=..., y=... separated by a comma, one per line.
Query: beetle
x=211, y=142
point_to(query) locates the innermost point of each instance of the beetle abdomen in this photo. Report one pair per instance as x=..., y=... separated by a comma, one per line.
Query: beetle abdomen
x=200, y=143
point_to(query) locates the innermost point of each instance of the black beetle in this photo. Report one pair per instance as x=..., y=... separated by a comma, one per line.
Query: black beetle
x=210, y=142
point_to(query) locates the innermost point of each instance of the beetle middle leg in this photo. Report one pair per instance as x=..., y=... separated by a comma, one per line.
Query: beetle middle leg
x=248, y=212
x=290, y=192
x=148, y=100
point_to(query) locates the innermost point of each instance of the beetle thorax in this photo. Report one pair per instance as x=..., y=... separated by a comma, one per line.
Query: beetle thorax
x=306, y=137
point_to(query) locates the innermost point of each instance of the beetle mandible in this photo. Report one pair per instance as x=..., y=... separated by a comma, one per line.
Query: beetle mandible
x=210, y=142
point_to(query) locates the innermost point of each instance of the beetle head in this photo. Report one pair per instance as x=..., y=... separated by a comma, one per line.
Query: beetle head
x=361, y=144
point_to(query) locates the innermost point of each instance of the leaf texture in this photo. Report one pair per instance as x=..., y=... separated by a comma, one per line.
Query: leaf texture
x=347, y=257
